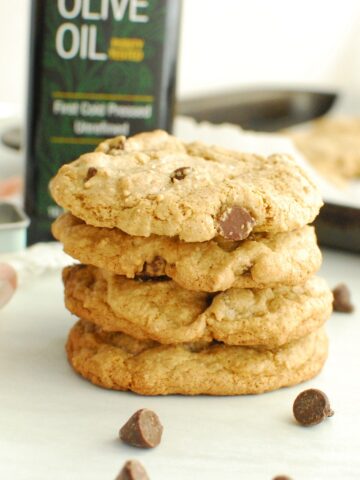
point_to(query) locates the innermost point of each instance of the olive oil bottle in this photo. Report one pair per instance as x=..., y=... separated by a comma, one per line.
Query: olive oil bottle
x=98, y=68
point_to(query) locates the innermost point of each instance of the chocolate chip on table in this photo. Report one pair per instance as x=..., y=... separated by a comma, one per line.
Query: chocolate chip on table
x=143, y=429
x=235, y=223
x=132, y=470
x=312, y=407
x=342, y=301
x=180, y=173
x=92, y=171
x=281, y=477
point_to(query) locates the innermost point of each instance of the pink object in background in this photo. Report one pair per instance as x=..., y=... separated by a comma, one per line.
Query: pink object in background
x=10, y=187
x=8, y=282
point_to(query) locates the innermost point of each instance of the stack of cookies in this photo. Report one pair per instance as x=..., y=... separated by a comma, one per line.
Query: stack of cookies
x=197, y=268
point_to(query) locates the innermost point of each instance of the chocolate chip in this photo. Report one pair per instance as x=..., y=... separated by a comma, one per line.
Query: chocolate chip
x=281, y=477
x=143, y=429
x=132, y=470
x=235, y=223
x=342, y=301
x=155, y=267
x=180, y=173
x=226, y=245
x=149, y=278
x=311, y=407
x=90, y=173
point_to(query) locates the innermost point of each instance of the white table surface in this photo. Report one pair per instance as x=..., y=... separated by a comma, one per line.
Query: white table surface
x=55, y=425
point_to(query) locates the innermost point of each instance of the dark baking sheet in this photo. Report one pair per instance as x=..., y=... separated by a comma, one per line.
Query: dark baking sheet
x=339, y=227
x=260, y=110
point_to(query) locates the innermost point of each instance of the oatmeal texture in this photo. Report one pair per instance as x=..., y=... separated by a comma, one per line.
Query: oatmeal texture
x=259, y=261
x=163, y=311
x=154, y=184
x=117, y=361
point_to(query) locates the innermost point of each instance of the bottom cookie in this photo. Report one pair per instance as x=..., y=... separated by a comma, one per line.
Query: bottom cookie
x=120, y=362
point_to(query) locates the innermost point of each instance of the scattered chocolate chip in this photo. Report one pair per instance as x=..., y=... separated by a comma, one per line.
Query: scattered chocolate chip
x=235, y=223
x=90, y=173
x=342, y=301
x=180, y=173
x=132, y=470
x=281, y=477
x=155, y=267
x=143, y=429
x=312, y=407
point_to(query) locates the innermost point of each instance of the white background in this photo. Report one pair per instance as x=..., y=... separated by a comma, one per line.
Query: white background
x=54, y=425
x=230, y=43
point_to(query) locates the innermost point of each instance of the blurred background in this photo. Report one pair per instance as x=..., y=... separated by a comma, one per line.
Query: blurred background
x=229, y=44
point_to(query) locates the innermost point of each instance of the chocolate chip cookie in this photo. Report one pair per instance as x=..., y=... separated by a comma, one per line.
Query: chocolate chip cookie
x=261, y=260
x=161, y=310
x=117, y=361
x=154, y=184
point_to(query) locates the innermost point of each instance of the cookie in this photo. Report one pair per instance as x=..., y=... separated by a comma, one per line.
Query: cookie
x=260, y=260
x=163, y=311
x=154, y=184
x=333, y=147
x=117, y=361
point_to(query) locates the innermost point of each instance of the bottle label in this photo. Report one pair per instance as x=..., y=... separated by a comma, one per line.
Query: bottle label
x=100, y=74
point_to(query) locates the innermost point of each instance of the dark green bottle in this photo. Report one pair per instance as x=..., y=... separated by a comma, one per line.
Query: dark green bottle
x=98, y=68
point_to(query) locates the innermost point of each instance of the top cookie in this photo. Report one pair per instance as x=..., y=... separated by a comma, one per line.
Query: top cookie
x=154, y=184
